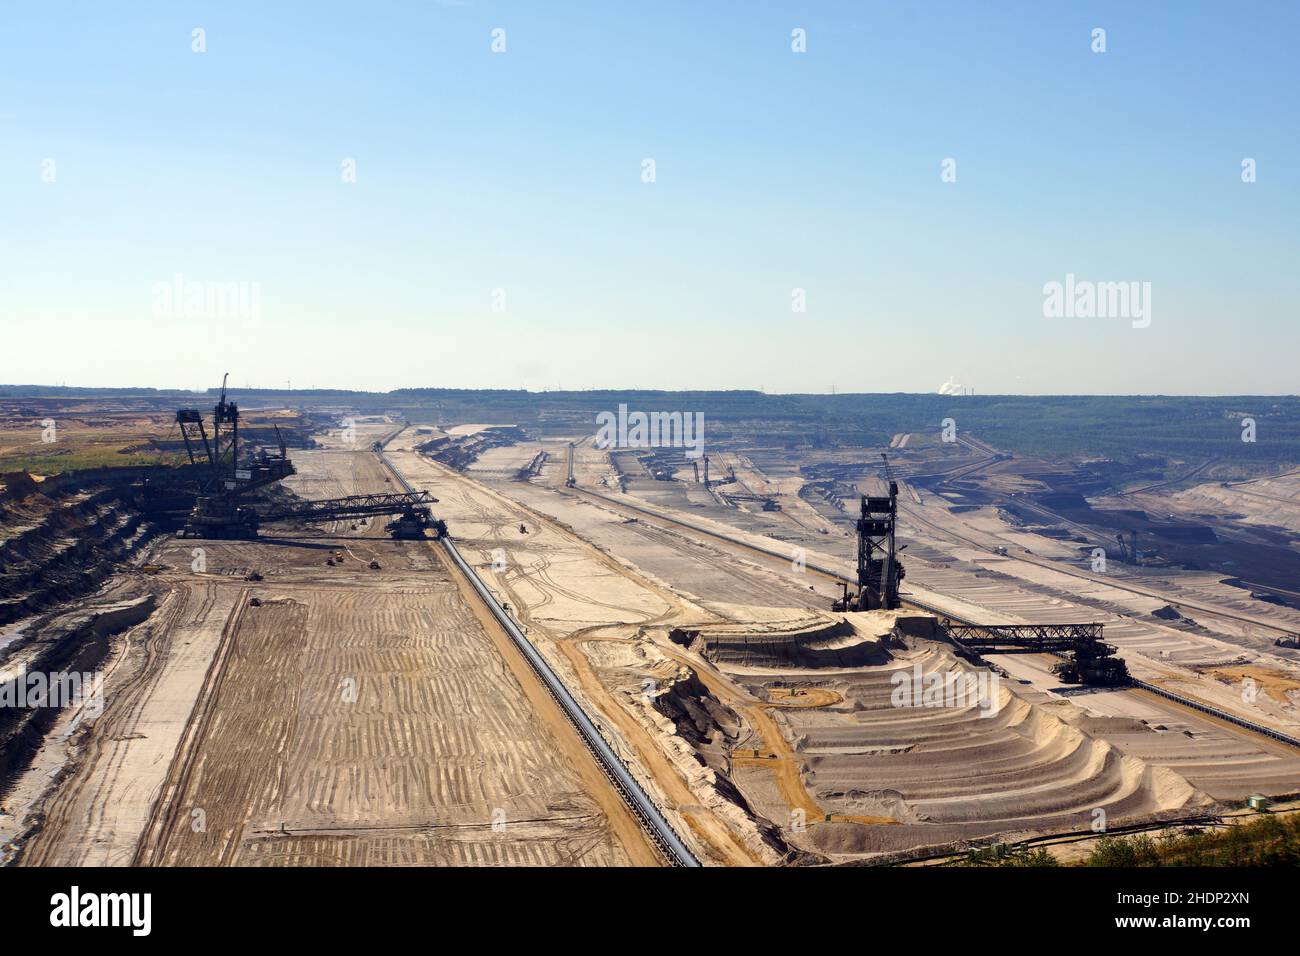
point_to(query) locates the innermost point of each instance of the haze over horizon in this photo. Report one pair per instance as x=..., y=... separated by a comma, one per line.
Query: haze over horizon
x=236, y=387
x=499, y=232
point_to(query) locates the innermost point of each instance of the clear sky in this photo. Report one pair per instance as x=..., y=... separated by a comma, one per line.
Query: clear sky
x=522, y=171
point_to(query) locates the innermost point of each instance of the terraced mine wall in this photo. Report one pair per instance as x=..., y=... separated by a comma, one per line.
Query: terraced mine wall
x=461, y=451
x=1040, y=770
x=64, y=538
x=896, y=779
x=73, y=643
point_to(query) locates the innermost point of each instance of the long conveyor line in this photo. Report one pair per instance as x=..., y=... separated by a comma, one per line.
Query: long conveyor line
x=638, y=801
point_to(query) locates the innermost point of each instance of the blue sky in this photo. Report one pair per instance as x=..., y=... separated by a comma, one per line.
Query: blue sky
x=521, y=171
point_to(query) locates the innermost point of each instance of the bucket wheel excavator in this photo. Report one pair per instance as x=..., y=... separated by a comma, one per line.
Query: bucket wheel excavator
x=222, y=508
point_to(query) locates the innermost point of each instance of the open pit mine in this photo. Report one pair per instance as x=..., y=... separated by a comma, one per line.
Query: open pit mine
x=337, y=634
